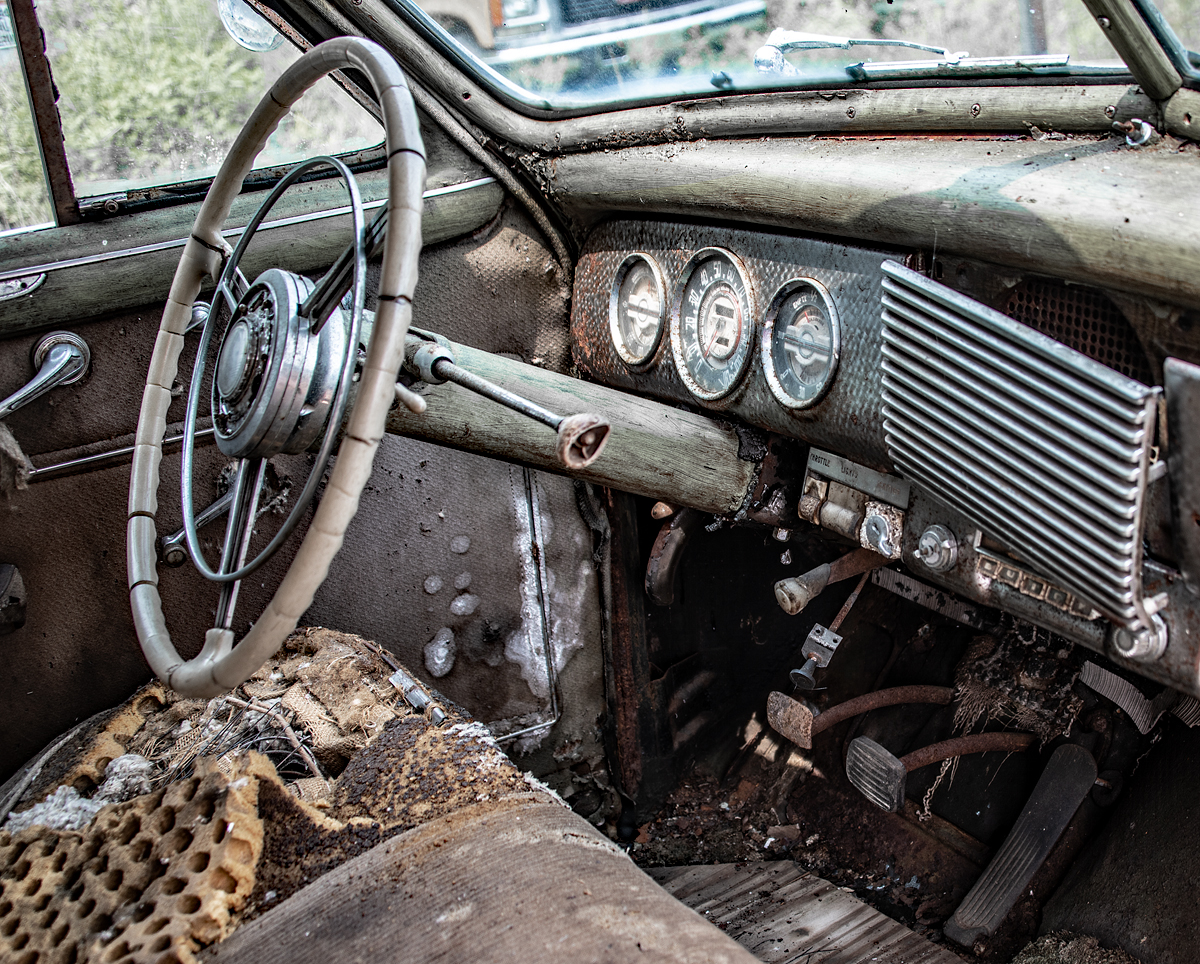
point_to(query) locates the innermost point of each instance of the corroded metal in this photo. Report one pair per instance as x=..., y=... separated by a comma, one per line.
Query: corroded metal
x=662, y=570
x=847, y=419
x=796, y=721
x=43, y=98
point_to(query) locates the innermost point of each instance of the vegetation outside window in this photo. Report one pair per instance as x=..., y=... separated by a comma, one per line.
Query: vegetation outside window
x=152, y=92
x=24, y=199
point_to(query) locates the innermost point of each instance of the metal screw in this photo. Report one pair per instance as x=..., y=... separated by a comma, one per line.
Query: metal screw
x=1110, y=111
x=1104, y=22
x=850, y=112
x=975, y=109
x=112, y=206
x=1145, y=644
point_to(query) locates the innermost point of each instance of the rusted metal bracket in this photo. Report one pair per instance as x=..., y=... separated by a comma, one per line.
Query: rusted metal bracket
x=43, y=97
x=662, y=571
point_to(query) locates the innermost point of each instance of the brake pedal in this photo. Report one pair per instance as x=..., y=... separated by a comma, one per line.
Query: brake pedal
x=882, y=777
x=1064, y=783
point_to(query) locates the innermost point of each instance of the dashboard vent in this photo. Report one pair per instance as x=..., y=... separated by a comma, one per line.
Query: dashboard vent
x=1084, y=318
x=1041, y=447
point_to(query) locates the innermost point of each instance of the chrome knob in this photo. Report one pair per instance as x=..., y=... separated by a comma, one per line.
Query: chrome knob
x=937, y=549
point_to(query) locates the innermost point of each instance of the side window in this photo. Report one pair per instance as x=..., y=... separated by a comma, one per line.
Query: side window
x=152, y=92
x=24, y=198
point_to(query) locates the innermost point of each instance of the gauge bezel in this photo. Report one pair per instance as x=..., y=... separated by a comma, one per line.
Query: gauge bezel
x=746, y=345
x=787, y=290
x=614, y=324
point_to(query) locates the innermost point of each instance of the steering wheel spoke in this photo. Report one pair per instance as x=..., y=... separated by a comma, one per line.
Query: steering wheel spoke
x=239, y=529
x=282, y=372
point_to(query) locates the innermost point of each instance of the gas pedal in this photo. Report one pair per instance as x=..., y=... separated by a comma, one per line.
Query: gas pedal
x=1064, y=783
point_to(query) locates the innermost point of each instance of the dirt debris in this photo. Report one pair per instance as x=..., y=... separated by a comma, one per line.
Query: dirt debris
x=1064, y=948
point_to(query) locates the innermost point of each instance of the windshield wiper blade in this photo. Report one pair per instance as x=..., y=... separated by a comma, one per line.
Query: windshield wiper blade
x=962, y=67
x=770, y=57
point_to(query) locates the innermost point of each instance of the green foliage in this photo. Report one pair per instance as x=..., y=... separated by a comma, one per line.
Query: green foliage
x=147, y=87
x=154, y=92
x=23, y=199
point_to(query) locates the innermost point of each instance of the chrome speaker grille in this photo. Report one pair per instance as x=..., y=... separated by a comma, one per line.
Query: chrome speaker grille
x=1041, y=447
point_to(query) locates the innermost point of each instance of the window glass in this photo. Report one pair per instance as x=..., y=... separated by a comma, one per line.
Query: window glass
x=576, y=53
x=24, y=198
x=154, y=91
x=1184, y=18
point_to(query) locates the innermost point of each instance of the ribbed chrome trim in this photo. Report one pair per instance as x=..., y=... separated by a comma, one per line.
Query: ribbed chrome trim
x=1037, y=444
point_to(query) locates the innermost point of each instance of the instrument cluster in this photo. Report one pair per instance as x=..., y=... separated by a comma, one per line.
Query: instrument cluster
x=781, y=331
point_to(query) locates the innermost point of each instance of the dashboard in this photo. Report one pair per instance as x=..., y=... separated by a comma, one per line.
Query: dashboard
x=779, y=331
x=986, y=455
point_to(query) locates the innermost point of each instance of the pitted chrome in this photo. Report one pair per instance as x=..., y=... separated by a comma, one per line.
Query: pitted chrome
x=277, y=383
x=275, y=379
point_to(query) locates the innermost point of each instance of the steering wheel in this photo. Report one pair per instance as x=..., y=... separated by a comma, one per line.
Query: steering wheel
x=281, y=377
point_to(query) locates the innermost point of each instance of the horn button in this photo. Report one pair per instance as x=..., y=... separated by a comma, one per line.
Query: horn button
x=275, y=379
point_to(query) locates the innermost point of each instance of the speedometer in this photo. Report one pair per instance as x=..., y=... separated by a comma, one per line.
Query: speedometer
x=801, y=342
x=712, y=324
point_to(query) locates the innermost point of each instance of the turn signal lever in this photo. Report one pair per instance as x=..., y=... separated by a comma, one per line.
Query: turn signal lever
x=61, y=358
x=581, y=438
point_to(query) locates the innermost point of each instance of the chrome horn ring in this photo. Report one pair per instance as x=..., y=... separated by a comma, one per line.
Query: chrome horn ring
x=281, y=378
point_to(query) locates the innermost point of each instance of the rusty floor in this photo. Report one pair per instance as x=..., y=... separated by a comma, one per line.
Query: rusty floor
x=777, y=803
x=783, y=915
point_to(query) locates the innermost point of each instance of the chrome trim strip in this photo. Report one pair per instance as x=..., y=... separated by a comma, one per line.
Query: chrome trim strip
x=230, y=232
x=47, y=471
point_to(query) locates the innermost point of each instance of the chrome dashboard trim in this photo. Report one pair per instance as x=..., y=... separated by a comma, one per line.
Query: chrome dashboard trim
x=229, y=232
x=1041, y=447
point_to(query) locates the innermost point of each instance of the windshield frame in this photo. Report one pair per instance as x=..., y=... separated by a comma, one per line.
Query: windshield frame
x=541, y=108
x=1183, y=60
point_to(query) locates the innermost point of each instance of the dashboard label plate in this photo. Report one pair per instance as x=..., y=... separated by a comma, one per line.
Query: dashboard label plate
x=886, y=488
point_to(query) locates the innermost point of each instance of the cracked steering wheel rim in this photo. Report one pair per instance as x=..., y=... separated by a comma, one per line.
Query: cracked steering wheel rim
x=220, y=665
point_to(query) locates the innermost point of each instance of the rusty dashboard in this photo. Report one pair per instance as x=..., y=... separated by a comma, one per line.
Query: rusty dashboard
x=1034, y=467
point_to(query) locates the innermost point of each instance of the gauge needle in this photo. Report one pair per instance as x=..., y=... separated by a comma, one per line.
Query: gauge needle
x=713, y=340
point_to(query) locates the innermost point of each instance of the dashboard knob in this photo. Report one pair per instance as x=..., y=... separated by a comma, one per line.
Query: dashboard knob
x=937, y=549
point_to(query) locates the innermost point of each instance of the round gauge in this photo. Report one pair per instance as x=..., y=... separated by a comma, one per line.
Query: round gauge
x=712, y=324
x=637, y=307
x=801, y=342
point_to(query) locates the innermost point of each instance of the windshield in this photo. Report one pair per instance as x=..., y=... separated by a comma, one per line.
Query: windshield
x=563, y=54
x=1182, y=33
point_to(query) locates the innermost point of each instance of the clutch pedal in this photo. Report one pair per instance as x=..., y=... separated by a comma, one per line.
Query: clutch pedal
x=1064, y=783
x=881, y=777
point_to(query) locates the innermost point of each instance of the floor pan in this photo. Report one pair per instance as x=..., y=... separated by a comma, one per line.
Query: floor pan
x=781, y=915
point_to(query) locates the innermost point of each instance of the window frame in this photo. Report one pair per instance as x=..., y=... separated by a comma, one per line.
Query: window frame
x=1175, y=49
x=71, y=208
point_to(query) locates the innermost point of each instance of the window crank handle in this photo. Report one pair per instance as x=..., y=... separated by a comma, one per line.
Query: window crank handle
x=61, y=358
